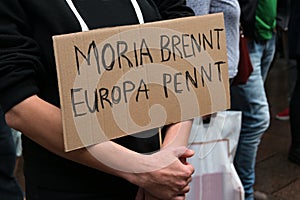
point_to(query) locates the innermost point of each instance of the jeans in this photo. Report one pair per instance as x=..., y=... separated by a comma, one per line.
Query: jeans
x=9, y=187
x=250, y=98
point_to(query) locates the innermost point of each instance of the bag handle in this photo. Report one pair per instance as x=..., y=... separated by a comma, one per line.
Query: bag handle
x=84, y=26
x=211, y=131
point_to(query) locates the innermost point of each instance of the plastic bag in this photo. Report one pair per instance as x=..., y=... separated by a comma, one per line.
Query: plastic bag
x=215, y=144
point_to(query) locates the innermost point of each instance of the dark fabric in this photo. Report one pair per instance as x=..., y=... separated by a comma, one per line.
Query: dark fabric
x=294, y=50
x=283, y=13
x=295, y=113
x=109, y=18
x=171, y=9
x=34, y=192
x=248, y=10
x=294, y=30
x=27, y=67
x=9, y=187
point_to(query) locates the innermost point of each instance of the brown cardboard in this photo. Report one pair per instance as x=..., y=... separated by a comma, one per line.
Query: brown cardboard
x=139, y=80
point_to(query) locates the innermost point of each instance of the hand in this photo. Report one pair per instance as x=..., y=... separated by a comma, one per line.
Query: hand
x=170, y=179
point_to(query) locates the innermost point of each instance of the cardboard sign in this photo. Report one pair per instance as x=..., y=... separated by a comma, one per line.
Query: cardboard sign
x=123, y=80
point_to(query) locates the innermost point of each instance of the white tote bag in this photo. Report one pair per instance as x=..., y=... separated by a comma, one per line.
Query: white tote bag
x=215, y=143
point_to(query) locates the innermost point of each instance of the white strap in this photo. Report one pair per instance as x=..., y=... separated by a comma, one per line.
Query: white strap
x=84, y=26
x=138, y=11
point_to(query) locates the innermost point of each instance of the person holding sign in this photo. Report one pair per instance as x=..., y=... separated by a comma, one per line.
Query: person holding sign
x=30, y=100
x=232, y=12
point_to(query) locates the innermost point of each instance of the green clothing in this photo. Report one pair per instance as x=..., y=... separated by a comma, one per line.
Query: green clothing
x=265, y=19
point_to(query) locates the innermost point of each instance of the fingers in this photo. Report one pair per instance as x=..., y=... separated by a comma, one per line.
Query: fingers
x=185, y=190
x=182, y=195
x=189, y=179
x=179, y=197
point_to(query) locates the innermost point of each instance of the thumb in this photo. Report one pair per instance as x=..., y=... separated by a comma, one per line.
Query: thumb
x=188, y=153
x=183, y=152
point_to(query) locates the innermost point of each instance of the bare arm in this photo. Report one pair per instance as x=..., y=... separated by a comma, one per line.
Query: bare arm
x=178, y=134
x=42, y=122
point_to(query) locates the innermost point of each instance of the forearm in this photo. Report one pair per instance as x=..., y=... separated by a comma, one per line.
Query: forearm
x=158, y=172
x=177, y=134
x=42, y=122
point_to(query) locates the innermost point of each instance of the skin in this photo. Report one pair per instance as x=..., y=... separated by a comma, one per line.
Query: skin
x=177, y=136
x=162, y=175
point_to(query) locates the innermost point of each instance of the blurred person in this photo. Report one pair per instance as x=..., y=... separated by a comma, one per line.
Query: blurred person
x=9, y=186
x=231, y=11
x=28, y=73
x=294, y=51
x=17, y=138
x=258, y=20
x=283, y=15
